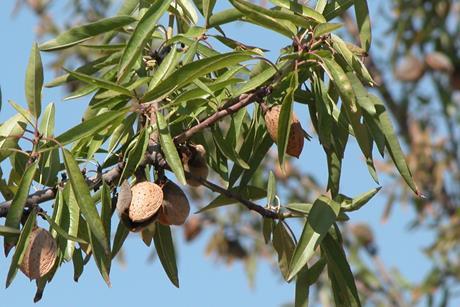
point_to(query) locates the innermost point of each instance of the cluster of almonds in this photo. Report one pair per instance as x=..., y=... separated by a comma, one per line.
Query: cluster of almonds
x=411, y=68
x=145, y=202
x=296, y=134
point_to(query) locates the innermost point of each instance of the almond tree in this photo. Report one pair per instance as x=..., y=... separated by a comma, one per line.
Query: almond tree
x=166, y=110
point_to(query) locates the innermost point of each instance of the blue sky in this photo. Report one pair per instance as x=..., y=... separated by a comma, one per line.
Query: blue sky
x=203, y=282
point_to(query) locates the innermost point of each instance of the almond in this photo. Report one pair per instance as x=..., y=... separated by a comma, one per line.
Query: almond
x=296, y=137
x=40, y=255
x=439, y=61
x=145, y=202
x=196, y=165
x=175, y=208
x=409, y=69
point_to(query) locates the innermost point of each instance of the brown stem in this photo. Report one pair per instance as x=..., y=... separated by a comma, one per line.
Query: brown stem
x=247, y=203
x=154, y=156
x=230, y=108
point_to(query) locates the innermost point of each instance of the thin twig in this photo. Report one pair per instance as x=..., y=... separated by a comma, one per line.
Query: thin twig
x=230, y=108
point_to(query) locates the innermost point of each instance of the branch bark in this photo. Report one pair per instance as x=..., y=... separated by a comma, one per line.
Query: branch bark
x=154, y=156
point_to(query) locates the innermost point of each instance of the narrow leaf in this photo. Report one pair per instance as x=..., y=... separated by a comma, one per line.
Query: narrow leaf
x=284, y=246
x=34, y=82
x=81, y=33
x=194, y=70
x=302, y=288
x=384, y=122
x=84, y=200
x=7, y=231
x=284, y=121
x=169, y=149
x=140, y=36
x=322, y=216
x=100, y=83
x=343, y=282
x=135, y=155
x=246, y=192
x=165, y=250
x=61, y=231
x=87, y=128
x=16, y=209
x=21, y=247
x=364, y=23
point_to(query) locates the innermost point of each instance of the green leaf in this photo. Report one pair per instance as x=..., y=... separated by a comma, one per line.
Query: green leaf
x=364, y=23
x=359, y=201
x=256, y=81
x=48, y=121
x=165, y=250
x=302, y=288
x=303, y=208
x=24, y=112
x=74, y=219
x=338, y=76
x=13, y=218
x=267, y=229
x=326, y=28
x=167, y=65
x=21, y=247
x=100, y=83
x=271, y=188
x=224, y=17
x=89, y=68
x=194, y=70
x=10, y=132
x=352, y=60
x=259, y=153
x=61, y=231
x=343, y=283
x=300, y=9
x=34, y=82
x=208, y=6
x=383, y=120
x=322, y=216
x=88, y=127
x=84, y=200
x=102, y=258
x=246, y=192
x=169, y=149
x=49, y=162
x=7, y=231
x=227, y=149
x=79, y=34
x=284, y=246
x=135, y=155
x=284, y=121
x=120, y=236
x=189, y=11
x=336, y=8
x=320, y=5
x=106, y=209
x=261, y=16
x=77, y=260
x=141, y=35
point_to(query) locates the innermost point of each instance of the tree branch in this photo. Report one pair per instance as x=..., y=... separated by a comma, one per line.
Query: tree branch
x=247, y=203
x=154, y=156
x=230, y=108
